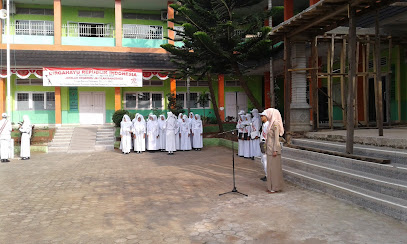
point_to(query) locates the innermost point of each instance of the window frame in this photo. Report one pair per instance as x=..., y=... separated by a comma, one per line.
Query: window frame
x=198, y=105
x=29, y=82
x=137, y=100
x=31, y=31
x=31, y=101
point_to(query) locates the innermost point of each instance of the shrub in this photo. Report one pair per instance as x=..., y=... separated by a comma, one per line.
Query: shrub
x=118, y=116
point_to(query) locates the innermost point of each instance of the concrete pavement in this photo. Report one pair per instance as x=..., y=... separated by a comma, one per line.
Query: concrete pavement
x=109, y=197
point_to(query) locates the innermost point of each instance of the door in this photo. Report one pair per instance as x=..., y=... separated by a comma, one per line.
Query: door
x=92, y=108
x=234, y=102
x=372, y=100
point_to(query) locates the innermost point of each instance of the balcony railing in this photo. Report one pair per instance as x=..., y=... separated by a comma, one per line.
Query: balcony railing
x=87, y=30
x=143, y=31
x=31, y=28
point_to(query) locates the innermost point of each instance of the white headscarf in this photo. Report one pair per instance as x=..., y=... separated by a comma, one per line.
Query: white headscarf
x=191, y=119
x=26, y=120
x=161, y=122
x=126, y=122
x=139, y=125
x=4, y=115
x=274, y=118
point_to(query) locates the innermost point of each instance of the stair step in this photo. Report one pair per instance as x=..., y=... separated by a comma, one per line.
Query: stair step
x=396, y=208
x=374, y=183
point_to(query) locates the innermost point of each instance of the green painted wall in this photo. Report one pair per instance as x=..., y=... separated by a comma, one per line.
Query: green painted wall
x=403, y=83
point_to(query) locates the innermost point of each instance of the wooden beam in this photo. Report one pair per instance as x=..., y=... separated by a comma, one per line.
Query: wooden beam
x=330, y=60
x=398, y=81
x=355, y=88
x=314, y=83
x=342, y=67
x=379, y=109
x=287, y=88
x=352, y=77
x=388, y=83
x=367, y=105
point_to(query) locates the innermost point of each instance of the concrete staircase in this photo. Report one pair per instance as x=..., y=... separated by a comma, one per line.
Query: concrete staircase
x=378, y=187
x=82, y=139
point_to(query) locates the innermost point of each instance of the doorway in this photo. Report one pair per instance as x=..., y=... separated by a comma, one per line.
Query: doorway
x=234, y=102
x=92, y=108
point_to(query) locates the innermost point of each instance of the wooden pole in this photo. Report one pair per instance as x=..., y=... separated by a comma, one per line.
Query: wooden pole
x=287, y=87
x=331, y=54
x=398, y=81
x=379, y=110
x=366, y=77
x=352, y=77
x=355, y=84
x=343, y=87
x=314, y=83
x=388, y=84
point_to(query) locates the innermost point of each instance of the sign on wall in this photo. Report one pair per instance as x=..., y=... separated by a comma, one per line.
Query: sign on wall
x=73, y=98
x=92, y=77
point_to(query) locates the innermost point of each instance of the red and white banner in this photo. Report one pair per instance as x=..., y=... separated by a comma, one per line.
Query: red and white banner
x=147, y=75
x=92, y=77
x=22, y=73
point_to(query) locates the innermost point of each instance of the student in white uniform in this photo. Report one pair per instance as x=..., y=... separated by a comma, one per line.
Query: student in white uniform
x=139, y=134
x=197, y=132
x=240, y=128
x=161, y=138
x=125, y=134
x=177, y=135
x=255, y=134
x=263, y=137
x=26, y=131
x=185, y=134
x=246, y=140
x=152, y=133
x=5, y=137
x=171, y=128
x=191, y=119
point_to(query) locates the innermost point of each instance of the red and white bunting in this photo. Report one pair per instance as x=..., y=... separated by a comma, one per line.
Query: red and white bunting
x=148, y=75
x=22, y=73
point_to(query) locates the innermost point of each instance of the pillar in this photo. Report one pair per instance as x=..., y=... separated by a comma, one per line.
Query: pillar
x=267, y=97
x=173, y=86
x=2, y=95
x=299, y=108
x=58, y=112
x=117, y=98
x=170, y=15
x=1, y=24
x=221, y=96
x=118, y=22
x=57, y=22
x=288, y=9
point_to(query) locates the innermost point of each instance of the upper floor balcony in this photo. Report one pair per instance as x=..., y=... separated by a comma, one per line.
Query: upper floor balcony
x=89, y=24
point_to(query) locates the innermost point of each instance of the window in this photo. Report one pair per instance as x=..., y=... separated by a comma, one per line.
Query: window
x=34, y=27
x=153, y=83
x=35, y=11
x=141, y=16
x=157, y=99
x=143, y=100
x=181, y=99
x=194, y=96
x=178, y=31
x=142, y=31
x=91, y=14
x=35, y=101
x=230, y=83
x=28, y=82
x=23, y=101
x=192, y=83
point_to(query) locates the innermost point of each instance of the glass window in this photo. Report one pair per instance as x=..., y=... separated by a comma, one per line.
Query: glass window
x=146, y=82
x=181, y=83
x=181, y=99
x=50, y=103
x=193, y=98
x=144, y=100
x=131, y=100
x=157, y=82
x=38, y=101
x=203, y=83
x=22, y=27
x=157, y=100
x=22, y=101
x=206, y=104
x=230, y=83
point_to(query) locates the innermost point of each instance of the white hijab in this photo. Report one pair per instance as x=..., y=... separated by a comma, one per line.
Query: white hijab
x=161, y=122
x=139, y=125
x=126, y=122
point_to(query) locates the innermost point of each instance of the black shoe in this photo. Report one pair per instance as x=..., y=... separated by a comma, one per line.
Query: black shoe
x=6, y=160
x=252, y=158
x=23, y=158
x=263, y=178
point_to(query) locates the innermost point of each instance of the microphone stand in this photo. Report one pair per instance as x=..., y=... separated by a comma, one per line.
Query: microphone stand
x=233, y=160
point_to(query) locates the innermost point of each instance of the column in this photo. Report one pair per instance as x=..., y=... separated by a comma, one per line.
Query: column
x=2, y=95
x=288, y=9
x=173, y=86
x=117, y=98
x=1, y=25
x=118, y=22
x=221, y=96
x=267, y=97
x=170, y=15
x=57, y=22
x=299, y=108
x=58, y=112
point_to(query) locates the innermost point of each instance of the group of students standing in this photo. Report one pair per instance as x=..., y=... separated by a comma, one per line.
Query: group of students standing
x=25, y=128
x=263, y=129
x=161, y=134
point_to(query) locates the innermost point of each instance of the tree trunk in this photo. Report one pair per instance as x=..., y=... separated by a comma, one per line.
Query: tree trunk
x=214, y=104
x=246, y=89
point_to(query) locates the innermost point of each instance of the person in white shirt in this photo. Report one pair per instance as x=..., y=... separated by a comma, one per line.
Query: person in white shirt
x=263, y=137
x=177, y=135
x=5, y=137
x=197, y=132
x=125, y=134
x=255, y=134
x=171, y=128
x=190, y=121
x=246, y=140
x=162, y=133
x=185, y=134
x=152, y=133
x=240, y=128
x=139, y=134
x=26, y=131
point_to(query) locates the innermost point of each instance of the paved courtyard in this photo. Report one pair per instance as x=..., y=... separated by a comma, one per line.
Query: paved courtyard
x=109, y=197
